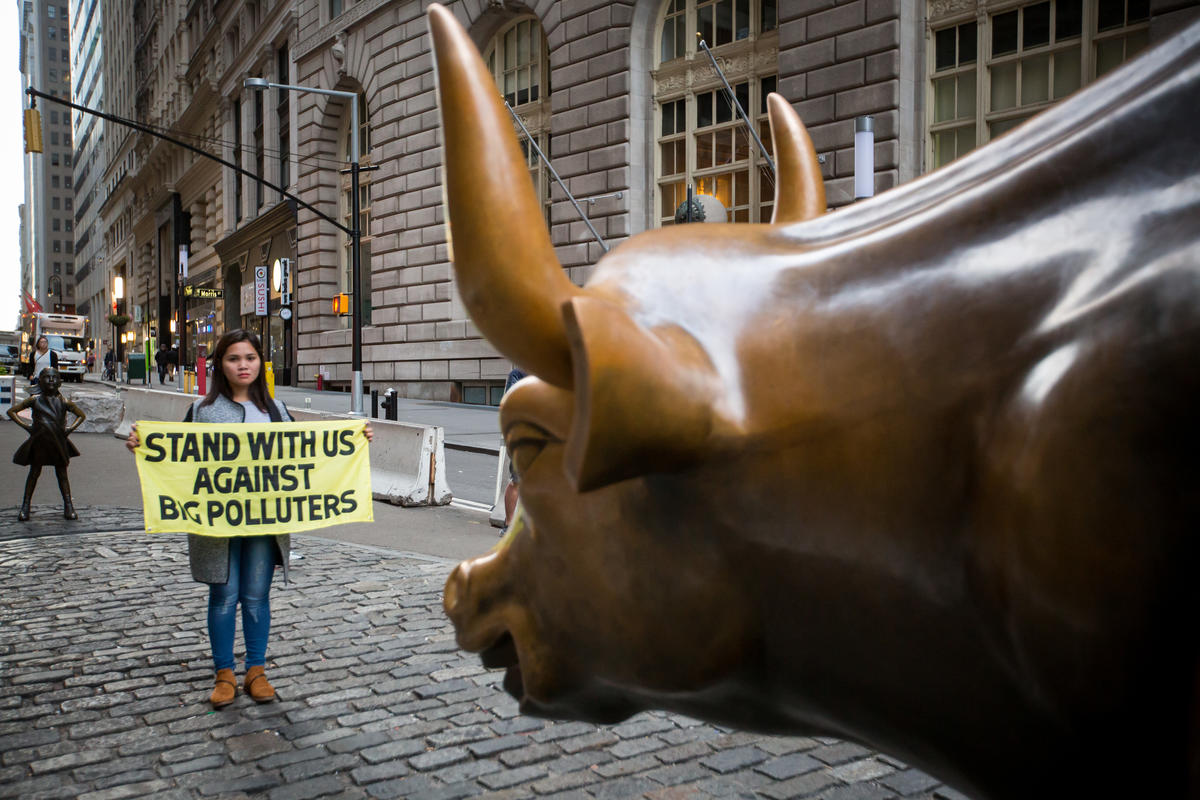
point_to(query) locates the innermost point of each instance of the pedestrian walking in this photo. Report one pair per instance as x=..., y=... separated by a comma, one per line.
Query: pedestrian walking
x=162, y=359
x=173, y=362
x=41, y=358
x=238, y=570
x=110, y=360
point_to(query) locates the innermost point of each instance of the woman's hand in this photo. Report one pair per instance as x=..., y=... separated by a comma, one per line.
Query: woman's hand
x=132, y=442
x=368, y=431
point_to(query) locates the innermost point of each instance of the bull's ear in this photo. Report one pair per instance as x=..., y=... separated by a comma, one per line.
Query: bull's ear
x=643, y=399
x=799, y=187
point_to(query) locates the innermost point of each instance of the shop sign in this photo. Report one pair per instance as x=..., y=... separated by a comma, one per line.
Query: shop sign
x=203, y=292
x=260, y=290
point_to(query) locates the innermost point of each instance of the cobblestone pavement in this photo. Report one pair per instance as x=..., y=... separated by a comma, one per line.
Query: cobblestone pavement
x=47, y=520
x=105, y=670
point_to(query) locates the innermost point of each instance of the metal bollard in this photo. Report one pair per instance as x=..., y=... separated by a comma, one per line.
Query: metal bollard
x=390, y=409
x=374, y=403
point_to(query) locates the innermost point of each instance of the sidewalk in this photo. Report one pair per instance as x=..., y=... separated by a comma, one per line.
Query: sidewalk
x=104, y=672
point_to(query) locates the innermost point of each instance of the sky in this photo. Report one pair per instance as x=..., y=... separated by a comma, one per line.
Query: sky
x=12, y=144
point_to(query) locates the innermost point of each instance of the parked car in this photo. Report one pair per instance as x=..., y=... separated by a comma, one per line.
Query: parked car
x=10, y=356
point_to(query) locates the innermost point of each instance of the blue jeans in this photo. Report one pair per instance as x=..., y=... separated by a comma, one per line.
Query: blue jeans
x=251, y=567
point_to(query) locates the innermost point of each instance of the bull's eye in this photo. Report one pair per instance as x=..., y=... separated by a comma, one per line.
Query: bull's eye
x=525, y=443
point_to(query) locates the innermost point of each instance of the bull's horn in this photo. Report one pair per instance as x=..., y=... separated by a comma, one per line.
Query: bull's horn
x=644, y=399
x=507, y=273
x=799, y=187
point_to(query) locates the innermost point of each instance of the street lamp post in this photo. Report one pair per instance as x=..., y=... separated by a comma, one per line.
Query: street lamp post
x=356, y=395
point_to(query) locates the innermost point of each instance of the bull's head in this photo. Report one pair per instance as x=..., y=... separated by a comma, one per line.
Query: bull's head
x=834, y=476
x=625, y=401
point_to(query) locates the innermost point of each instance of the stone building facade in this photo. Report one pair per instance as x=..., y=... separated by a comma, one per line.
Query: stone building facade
x=179, y=68
x=628, y=109
x=619, y=95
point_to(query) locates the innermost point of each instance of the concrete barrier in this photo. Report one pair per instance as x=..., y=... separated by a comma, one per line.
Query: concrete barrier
x=8, y=394
x=152, y=404
x=408, y=462
x=496, y=518
x=103, y=408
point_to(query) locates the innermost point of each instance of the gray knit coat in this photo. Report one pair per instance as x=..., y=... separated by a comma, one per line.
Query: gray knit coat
x=209, y=555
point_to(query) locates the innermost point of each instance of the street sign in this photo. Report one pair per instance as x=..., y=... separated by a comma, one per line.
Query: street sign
x=260, y=291
x=284, y=265
x=203, y=292
x=183, y=261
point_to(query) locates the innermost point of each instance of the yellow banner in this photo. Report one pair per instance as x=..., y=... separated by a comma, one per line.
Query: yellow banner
x=250, y=479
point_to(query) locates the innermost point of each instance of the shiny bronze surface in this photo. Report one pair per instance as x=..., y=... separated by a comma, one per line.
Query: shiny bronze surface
x=920, y=473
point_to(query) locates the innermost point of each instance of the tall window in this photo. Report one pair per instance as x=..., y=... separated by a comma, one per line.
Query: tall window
x=701, y=140
x=282, y=114
x=364, y=210
x=1032, y=56
x=517, y=57
x=259, y=151
x=237, y=158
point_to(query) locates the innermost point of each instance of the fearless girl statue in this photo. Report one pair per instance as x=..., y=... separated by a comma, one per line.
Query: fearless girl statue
x=47, y=444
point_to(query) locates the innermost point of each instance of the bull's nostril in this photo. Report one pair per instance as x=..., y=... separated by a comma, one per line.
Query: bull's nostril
x=502, y=653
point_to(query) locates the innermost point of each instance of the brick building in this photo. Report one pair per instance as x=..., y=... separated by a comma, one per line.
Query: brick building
x=620, y=97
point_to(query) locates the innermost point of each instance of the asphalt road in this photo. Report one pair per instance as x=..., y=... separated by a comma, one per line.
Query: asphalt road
x=472, y=476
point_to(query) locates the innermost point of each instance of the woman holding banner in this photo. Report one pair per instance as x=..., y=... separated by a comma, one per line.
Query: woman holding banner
x=238, y=569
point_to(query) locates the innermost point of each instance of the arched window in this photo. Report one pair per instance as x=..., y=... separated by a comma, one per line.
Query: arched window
x=517, y=57
x=346, y=210
x=700, y=139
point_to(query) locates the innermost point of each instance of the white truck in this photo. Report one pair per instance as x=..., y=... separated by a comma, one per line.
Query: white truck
x=68, y=337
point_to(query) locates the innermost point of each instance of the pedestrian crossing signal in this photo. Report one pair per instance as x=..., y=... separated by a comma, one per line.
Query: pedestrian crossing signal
x=341, y=304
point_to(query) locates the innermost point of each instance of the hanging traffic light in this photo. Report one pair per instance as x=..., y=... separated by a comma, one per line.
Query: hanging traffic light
x=33, y=130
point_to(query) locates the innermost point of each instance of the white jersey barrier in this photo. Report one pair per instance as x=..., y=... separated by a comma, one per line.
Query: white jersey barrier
x=408, y=462
x=8, y=394
x=152, y=404
x=496, y=518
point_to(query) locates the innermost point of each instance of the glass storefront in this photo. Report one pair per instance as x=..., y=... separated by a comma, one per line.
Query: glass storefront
x=271, y=329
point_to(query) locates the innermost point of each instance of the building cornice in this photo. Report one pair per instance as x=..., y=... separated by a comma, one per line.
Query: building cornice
x=279, y=217
x=349, y=18
x=256, y=49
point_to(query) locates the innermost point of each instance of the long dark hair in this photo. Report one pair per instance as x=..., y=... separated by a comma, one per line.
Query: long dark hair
x=220, y=386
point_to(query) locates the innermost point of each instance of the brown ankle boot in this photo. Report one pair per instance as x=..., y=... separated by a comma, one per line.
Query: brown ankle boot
x=225, y=690
x=255, y=684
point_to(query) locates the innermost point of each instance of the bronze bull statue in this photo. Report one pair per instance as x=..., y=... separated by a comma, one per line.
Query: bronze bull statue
x=922, y=473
